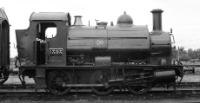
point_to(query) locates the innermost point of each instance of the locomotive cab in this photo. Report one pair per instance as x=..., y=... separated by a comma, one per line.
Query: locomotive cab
x=37, y=46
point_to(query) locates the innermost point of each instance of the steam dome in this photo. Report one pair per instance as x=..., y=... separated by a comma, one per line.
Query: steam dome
x=125, y=19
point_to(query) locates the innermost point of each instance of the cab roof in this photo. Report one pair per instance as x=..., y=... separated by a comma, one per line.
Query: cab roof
x=48, y=16
x=3, y=14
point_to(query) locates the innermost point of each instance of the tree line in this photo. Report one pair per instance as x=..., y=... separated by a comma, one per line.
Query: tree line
x=186, y=55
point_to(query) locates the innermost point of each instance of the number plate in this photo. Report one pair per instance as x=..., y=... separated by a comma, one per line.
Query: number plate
x=56, y=51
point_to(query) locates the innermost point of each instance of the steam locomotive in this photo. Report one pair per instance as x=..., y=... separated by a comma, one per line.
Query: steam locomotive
x=102, y=58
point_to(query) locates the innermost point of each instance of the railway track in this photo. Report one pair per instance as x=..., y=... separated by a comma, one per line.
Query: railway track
x=90, y=96
x=181, y=85
x=184, y=86
x=188, y=84
x=17, y=92
x=30, y=94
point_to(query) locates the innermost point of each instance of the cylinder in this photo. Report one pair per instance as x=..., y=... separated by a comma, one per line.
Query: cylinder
x=161, y=74
x=157, y=19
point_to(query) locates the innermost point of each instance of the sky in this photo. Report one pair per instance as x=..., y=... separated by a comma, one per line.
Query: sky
x=182, y=16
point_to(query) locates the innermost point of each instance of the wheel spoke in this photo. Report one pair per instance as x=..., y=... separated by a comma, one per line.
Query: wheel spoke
x=101, y=77
x=56, y=80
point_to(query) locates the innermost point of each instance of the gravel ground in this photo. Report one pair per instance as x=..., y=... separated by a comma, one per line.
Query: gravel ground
x=13, y=79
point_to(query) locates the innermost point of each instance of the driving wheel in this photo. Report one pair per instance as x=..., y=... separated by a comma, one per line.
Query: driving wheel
x=101, y=77
x=56, y=81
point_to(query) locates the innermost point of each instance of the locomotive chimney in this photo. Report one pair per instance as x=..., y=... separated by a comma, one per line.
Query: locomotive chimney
x=157, y=19
x=78, y=21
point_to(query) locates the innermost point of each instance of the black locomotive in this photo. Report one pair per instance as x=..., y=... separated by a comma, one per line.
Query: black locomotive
x=99, y=57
